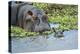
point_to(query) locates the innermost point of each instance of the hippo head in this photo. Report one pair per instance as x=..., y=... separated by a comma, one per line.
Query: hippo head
x=58, y=33
x=36, y=21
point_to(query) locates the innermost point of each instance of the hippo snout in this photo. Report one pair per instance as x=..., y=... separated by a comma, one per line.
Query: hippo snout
x=42, y=27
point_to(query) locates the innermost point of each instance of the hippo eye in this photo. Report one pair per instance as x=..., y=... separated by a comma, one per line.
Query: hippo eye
x=30, y=13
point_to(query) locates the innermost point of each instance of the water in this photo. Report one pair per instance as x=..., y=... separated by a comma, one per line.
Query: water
x=45, y=43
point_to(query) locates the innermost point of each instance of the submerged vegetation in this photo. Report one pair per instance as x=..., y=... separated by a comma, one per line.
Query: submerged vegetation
x=65, y=15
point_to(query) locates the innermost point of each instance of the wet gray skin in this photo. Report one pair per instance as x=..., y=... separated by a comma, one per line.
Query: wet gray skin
x=28, y=17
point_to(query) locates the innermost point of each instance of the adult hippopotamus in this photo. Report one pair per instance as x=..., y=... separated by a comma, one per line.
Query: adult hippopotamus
x=28, y=17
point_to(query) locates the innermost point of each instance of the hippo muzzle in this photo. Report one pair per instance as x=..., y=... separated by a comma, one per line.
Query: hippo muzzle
x=42, y=24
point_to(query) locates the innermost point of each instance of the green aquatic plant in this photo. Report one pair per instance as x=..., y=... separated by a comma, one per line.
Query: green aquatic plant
x=19, y=32
x=47, y=32
x=65, y=22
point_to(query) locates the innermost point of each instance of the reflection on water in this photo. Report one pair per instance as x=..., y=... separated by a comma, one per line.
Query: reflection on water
x=45, y=43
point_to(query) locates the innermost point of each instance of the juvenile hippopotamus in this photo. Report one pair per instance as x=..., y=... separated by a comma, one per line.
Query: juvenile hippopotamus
x=58, y=33
x=28, y=17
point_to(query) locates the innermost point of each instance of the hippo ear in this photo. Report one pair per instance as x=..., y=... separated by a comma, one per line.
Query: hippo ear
x=30, y=13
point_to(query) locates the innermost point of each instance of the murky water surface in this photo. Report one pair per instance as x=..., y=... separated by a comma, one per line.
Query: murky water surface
x=46, y=43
